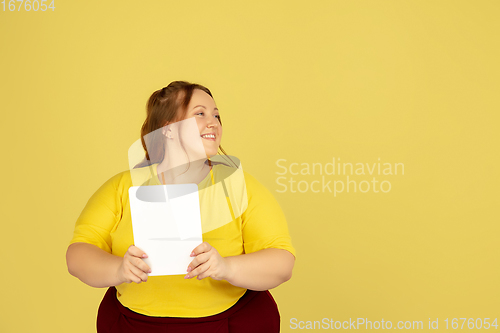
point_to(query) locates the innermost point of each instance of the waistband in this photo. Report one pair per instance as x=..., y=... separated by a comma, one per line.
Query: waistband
x=247, y=297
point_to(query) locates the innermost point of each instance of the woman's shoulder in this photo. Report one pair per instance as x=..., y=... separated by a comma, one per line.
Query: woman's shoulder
x=236, y=177
x=127, y=178
x=228, y=169
x=226, y=166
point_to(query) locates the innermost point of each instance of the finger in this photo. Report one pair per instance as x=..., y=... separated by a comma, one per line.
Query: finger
x=200, y=259
x=136, y=252
x=139, y=263
x=130, y=276
x=203, y=275
x=138, y=274
x=208, y=271
x=197, y=271
x=203, y=247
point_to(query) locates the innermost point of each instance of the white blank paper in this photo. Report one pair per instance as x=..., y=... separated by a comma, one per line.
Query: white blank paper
x=166, y=224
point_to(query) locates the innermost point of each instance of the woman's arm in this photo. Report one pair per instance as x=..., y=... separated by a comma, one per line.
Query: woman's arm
x=100, y=269
x=260, y=270
x=92, y=265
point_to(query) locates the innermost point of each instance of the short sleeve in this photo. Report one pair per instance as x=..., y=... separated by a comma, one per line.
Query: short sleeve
x=100, y=215
x=263, y=222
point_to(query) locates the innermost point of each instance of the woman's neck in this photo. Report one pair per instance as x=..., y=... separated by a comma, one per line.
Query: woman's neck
x=188, y=173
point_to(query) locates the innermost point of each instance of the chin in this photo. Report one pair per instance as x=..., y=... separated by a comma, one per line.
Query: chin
x=210, y=153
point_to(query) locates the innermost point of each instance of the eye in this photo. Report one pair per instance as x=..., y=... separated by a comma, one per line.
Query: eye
x=202, y=113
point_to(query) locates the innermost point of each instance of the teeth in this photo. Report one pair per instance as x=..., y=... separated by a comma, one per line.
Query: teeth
x=208, y=136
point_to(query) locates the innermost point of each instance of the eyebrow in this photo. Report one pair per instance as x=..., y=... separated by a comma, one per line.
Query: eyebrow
x=203, y=107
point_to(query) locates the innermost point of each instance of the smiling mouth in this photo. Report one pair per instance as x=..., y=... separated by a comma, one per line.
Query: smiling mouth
x=210, y=137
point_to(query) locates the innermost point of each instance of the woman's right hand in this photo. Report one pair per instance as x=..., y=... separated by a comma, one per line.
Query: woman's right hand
x=133, y=268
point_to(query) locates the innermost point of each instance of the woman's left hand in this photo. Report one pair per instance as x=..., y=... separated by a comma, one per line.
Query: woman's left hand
x=208, y=262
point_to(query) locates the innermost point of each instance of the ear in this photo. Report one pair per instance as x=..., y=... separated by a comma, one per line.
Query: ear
x=164, y=129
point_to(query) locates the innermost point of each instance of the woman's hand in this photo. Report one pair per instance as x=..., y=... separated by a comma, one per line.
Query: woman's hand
x=133, y=268
x=208, y=262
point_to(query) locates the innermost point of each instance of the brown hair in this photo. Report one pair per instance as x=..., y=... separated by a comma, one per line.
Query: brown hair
x=165, y=106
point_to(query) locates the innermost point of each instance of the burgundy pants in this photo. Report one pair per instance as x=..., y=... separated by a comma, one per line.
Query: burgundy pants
x=255, y=311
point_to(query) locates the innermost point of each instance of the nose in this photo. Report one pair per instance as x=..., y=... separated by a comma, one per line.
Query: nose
x=212, y=122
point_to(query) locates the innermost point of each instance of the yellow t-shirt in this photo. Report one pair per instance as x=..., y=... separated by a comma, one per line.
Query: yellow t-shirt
x=250, y=220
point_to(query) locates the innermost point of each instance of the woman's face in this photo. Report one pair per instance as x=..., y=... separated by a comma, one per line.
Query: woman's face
x=202, y=107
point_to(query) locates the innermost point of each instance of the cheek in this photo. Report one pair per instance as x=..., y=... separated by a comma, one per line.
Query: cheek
x=201, y=125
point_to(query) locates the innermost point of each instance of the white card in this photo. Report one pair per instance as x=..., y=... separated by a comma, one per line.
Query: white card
x=166, y=224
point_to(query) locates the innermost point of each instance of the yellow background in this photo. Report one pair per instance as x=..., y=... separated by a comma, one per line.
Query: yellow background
x=413, y=82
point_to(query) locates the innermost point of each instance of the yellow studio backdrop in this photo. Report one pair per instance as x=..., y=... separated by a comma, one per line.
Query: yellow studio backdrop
x=398, y=98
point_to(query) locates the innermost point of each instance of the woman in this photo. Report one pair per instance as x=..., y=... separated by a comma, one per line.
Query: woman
x=239, y=260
